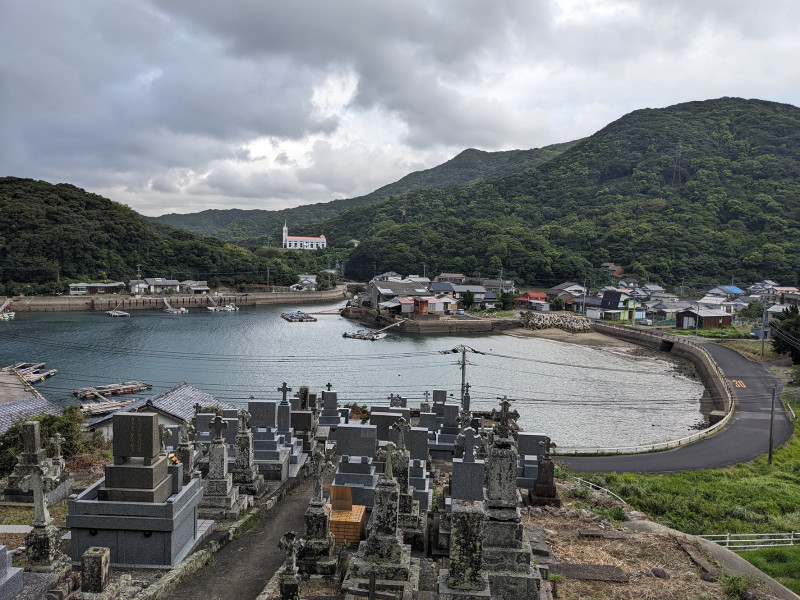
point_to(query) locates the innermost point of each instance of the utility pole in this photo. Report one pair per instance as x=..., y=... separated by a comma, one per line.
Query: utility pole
x=267, y=276
x=763, y=328
x=462, y=349
x=138, y=271
x=771, y=425
x=697, y=318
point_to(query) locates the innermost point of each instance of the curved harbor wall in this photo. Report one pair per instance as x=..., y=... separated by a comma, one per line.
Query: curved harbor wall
x=129, y=303
x=709, y=372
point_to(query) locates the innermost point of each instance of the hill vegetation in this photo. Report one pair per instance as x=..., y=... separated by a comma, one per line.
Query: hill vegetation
x=251, y=227
x=51, y=235
x=702, y=191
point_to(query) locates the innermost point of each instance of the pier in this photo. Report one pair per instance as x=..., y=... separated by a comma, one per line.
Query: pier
x=103, y=391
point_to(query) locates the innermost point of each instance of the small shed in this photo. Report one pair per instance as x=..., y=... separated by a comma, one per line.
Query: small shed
x=704, y=318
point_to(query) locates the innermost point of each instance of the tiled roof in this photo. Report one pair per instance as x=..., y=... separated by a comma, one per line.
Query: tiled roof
x=24, y=408
x=178, y=403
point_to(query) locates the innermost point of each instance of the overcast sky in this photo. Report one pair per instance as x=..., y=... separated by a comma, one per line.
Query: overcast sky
x=184, y=105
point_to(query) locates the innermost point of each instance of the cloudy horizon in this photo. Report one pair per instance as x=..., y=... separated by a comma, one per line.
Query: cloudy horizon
x=188, y=105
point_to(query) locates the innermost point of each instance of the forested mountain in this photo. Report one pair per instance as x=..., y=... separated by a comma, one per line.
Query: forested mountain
x=251, y=227
x=701, y=191
x=51, y=235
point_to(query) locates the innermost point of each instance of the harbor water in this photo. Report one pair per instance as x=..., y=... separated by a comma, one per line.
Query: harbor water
x=577, y=394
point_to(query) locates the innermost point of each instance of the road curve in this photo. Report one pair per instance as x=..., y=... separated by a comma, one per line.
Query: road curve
x=745, y=437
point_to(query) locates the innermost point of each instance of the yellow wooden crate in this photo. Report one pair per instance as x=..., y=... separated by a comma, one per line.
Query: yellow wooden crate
x=348, y=524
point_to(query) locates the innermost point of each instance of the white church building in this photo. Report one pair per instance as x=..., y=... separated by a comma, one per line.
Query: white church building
x=300, y=242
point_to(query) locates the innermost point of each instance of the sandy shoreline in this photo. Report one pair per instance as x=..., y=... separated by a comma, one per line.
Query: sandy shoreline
x=591, y=338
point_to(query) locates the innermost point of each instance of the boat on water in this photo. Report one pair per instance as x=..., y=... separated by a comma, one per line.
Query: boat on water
x=176, y=311
x=298, y=317
x=227, y=308
x=117, y=313
x=7, y=315
x=364, y=334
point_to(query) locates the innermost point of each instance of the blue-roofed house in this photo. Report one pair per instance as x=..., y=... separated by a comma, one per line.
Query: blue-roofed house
x=23, y=409
x=727, y=291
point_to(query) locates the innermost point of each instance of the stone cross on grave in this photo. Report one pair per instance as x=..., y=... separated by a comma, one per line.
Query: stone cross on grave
x=218, y=425
x=319, y=467
x=464, y=417
x=329, y=385
x=290, y=545
x=183, y=434
x=284, y=389
x=163, y=434
x=197, y=409
x=39, y=482
x=427, y=395
x=502, y=417
x=244, y=420
x=389, y=451
x=402, y=427
x=547, y=445
x=395, y=400
x=56, y=441
x=471, y=440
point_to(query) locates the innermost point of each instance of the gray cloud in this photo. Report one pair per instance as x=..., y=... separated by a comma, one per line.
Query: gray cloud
x=190, y=104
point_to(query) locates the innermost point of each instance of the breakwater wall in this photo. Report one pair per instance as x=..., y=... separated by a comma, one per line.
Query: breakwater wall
x=146, y=302
x=710, y=374
x=430, y=323
x=564, y=321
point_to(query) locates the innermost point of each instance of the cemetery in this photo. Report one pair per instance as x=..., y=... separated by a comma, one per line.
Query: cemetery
x=435, y=501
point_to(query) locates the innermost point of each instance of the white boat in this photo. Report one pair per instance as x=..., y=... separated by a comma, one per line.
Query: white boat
x=231, y=307
x=117, y=313
x=365, y=334
x=7, y=315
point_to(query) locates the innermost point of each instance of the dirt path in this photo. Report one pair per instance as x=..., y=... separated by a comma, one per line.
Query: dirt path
x=242, y=568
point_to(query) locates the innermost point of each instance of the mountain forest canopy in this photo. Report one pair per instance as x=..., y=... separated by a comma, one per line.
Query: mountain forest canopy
x=52, y=235
x=698, y=192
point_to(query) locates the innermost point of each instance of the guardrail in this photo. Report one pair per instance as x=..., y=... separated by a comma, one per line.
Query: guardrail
x=743, y=541
x=674, y=443
x=607, y=492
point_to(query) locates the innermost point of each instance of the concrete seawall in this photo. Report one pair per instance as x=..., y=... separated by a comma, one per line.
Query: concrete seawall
x=424, y=325
x=130, y=303
x=709, y=372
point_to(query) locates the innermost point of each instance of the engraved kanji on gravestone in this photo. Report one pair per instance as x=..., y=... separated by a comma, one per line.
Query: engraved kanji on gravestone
x=548, y=445
x=402, y=427
x=284, y=389
x=503, y=416
x=163, y=435
x=56, y=442
x=39, y=482
x=218, y=425
x=244, y=420
x=319, y=467
x=135, y=435
x=470, y=440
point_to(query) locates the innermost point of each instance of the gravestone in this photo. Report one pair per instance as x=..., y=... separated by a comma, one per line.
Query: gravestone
x=466, y=399
x=185, y=452
x=140, y=510
x=42, y=543
x=329, y=415
x=464, y=579
x=383, y=551
x=316, y=557
x=411, y=520
x=466, y=482
x=95, y=563
x=245, y=473
x=544, y=491
x=263, y=413
x=506, y=549
x=221, y=500
x=272, y=451
x=289, y=577
x=530, y=453
x=10, y=576
x=34, y=456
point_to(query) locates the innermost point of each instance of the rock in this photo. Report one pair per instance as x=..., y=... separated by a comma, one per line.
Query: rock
x=660, y=573
x=571, y=514
x=710, y=577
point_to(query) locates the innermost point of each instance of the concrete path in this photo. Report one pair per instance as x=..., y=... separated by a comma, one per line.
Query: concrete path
x=242, y=568
x=745, y=437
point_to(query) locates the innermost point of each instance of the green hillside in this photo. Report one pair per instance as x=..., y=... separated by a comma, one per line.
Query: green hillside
x=51, y=235
x=249, y=227
x=727, y=206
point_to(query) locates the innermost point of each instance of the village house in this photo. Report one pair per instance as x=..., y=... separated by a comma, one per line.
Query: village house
x=382, y=291
x=777, y=293
x=82, y=289
x=418, y=279
x=194, y=287
x=296, y=242
x=498, y=286
x=717, y=303
x=704, y=318
x=173, y=407
x=621, y=306
x=565, y=291
x=665, y=310
x=612, y=269
x=305, y=281
x=591, y=306
x=449, y=278
x=478, y=293
x=154, y=285
x=725, y=291
x=388, y=276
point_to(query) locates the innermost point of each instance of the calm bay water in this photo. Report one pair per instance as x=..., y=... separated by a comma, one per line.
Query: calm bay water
x=578, y=395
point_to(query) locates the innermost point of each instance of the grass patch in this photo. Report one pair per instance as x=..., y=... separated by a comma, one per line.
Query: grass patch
x=23, y=515
x=781, y=563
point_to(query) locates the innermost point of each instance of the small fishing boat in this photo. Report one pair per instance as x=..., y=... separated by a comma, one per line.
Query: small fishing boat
x=364, y=334
x=298, y=317
x=176, y=311
x=7, y=315
x=117, y=313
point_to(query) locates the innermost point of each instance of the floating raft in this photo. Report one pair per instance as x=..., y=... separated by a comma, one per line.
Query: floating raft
x=102, y=391
x=363, y=334
x=298, y=317
x=31, y=372
x=39, y=375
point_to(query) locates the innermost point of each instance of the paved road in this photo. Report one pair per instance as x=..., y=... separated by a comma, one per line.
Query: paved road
x=243, y=567
x=745, y=437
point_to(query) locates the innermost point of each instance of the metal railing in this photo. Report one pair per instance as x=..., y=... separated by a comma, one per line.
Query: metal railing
x=743, y=541
x=674, y=443
x=607, y=492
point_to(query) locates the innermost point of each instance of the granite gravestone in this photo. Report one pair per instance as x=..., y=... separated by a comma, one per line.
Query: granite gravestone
x=464, y=579
x=316, y=557
x=10, y=576
x=34, y=456
x=220, y=498
x=42, y=543
x=245, y=473
x=140, y=510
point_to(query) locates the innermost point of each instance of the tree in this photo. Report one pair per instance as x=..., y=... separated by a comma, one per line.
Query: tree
x=786, y=333
x=468, y=299
x=557, y=304
x=754, y=310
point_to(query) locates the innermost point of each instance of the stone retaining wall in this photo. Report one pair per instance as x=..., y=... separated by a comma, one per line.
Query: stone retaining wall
x=130, y=303
x=564, y=321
